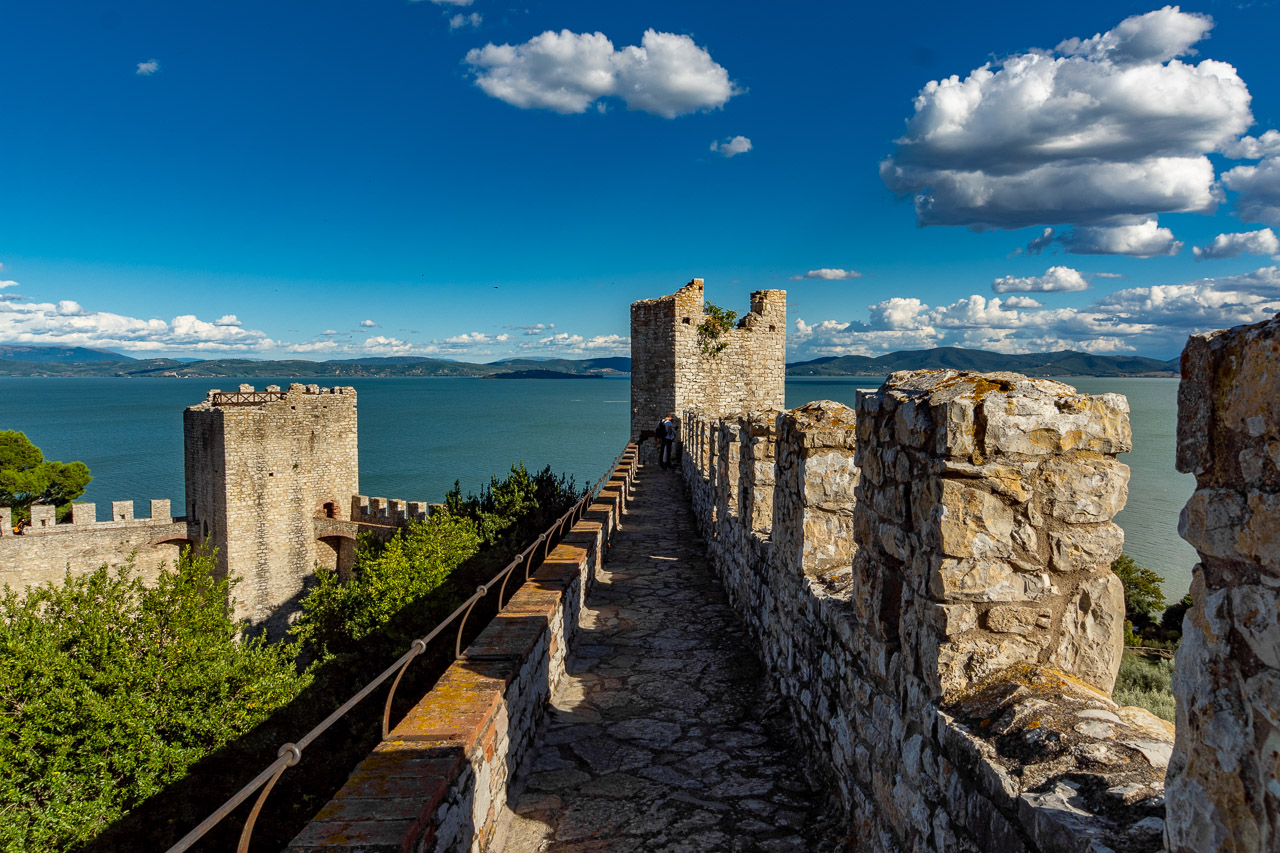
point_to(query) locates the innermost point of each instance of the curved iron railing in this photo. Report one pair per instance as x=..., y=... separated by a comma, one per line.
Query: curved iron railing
x=290, y=754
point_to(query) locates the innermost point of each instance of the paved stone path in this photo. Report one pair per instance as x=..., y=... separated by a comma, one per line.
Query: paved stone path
x=662, y=737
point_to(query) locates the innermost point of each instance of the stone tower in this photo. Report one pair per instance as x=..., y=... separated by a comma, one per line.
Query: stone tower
x=260, y=467
x=671, y=373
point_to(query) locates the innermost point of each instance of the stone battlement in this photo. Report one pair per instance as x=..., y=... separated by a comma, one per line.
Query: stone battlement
x=43, y=518
x=247, y=395
x=927, y=579
x=671, y=373
x=395, y=513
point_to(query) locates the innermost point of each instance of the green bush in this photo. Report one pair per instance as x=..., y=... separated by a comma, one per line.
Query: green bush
x=110, y=689
x=386, y=579
x=1146, y=684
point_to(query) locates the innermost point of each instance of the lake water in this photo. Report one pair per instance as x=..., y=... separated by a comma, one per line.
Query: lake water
x=419, y=435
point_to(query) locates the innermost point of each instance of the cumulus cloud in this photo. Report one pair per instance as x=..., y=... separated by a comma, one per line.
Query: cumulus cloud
x=1100, y=131
x=68, y=323
x=1054, y=280
x=460, y=20
x=1254, y=147
x=4, y=284
x=1141, y=240
x=146, y=69
x=1262, y=242
x=563, y=343
x=1259, y=189
x=730, y=147
x=1154, y=319
x=368, y=324
x=566, y=72
x=829, y=274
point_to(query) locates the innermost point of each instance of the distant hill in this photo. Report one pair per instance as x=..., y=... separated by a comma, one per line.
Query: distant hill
x=58, y=355
x=1063, y=363
x=542, y=374
x=80, y=361
x=23, y=364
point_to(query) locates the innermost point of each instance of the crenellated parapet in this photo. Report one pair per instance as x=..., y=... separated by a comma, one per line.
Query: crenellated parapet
x=44, y=551
x=933, y=597
x=671, y=372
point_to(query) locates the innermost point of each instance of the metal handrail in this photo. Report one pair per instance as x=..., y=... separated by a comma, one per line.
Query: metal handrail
x=290, y=754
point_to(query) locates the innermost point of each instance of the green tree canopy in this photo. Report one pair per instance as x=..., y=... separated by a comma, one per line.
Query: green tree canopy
x=1142, y=592
x=27, y=478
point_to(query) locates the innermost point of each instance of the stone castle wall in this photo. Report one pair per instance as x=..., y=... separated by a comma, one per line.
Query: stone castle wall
x=671, y=373
x=45, y=551
x=1224, y=779
x=257, y=473
x=933, y=596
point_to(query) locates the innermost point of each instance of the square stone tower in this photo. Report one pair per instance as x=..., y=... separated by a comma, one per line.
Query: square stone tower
x=260, y=467
x=671, y=373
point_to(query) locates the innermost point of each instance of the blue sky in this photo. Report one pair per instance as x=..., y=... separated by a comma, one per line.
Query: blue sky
x=331, y=178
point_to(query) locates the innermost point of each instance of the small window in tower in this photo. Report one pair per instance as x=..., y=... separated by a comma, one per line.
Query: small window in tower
x=685, y=321
x=330, y=511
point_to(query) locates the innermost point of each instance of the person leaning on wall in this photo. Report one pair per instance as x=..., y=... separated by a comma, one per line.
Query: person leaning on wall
x=667, y=433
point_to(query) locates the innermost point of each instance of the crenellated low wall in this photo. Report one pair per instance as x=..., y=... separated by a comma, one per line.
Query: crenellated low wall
x=45, y=551
x=933, y=596
x=438, y=782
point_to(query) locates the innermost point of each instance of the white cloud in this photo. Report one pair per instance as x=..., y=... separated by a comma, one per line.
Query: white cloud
x=330, y=332
x=1141, y=240
x=1054, y=280
x=146, y=69
x=1259, y=188
x=228, y=320
x=1254, y=147
x=368, y=324
x=563, y=344
x=67, y=323
x=731, y=147
x=4, y=284
x=460, y=20
x=567, y=72
x=829, y=274
x=1153, y=319
x=1105, y=128
x=1262, y=242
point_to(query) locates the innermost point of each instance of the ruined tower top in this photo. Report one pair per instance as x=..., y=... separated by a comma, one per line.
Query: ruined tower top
x=670, y=372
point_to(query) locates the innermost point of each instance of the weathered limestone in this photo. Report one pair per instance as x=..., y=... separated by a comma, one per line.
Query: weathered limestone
x=985, y=507
x=671, y=373
x=1224, y=777
x=938, y=609
x=257, y=474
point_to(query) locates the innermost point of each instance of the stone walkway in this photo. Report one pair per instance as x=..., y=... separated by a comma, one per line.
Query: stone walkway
x=662, y=737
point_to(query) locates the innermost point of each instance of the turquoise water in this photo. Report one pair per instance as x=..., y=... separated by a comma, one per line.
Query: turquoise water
x=419, y=435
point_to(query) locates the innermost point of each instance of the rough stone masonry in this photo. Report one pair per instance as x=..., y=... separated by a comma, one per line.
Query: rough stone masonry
x=1224, y=778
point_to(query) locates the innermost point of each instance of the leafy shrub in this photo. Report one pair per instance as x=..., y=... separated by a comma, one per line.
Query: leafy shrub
x=386, y=579
x=110, y=689
x=1143, y=594
x=710, y=330
x=1146, y=684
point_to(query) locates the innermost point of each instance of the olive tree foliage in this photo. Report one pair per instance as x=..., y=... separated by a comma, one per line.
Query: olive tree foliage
x=110, y=689
x=27, y=478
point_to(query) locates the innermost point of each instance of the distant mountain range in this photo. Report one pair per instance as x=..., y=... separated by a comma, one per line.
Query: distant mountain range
x=24, y=360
